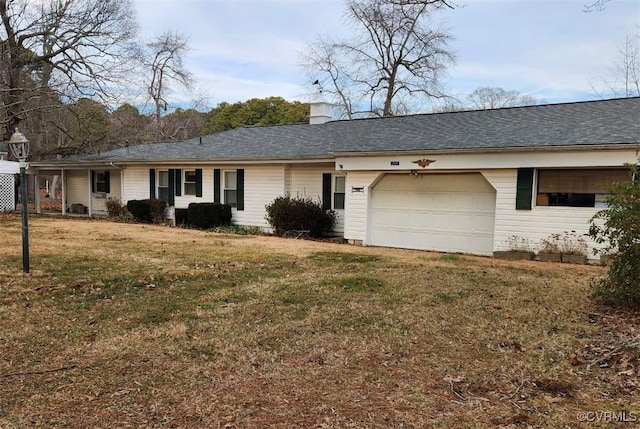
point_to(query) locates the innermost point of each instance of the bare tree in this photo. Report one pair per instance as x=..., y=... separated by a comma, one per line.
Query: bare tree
x=165, y=63
x=486, y=97
x=449, y=105
x=596, y=5
x=323, y=60
x=63, y=49
x=395, y=55
x=624, y=73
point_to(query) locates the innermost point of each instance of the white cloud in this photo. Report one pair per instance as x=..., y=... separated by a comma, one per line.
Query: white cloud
x=249, y=48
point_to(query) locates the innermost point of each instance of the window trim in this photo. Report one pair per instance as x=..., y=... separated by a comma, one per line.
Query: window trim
x=586, y=194
x=158, y=186
x=100, y=186
x=193, y=183
x=335, y=193
x=225, y=188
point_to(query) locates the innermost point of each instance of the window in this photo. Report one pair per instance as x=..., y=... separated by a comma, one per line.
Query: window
x=577, y=188
x=338, y=192
x=163, y=185
x=230, y=188
x=100, y=181
x=190, y=180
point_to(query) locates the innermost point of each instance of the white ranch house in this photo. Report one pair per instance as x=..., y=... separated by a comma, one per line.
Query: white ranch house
x=452, y=182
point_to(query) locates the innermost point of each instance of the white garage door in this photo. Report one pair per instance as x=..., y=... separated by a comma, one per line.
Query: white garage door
x=445, y=212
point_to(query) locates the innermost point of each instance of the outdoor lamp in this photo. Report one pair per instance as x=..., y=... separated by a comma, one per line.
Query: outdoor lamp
x=19, y=146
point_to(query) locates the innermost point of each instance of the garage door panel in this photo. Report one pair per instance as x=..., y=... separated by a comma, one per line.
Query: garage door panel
x=485, y=203
x=446, y=212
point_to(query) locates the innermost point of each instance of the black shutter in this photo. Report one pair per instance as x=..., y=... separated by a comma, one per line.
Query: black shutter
x=178, y=182
x=524, y=189
x=172, y=186
x=93, y=181
x=326, y=191
x=152, y=183
x=107, y=182
x=216, y=185
x=240, y=189
x=198, y=182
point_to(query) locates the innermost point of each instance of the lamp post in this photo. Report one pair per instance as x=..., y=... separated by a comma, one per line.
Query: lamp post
x=19, y=146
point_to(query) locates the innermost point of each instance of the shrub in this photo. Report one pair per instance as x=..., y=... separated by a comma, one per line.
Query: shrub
x=567, y=243
x=551, y=244
x=299, y=214
x=518, y=244
x=140, y=210
x=617, y=228
x=238, y=230
x=115, y=209
x=157, y=208
x=208, y=215
x=147, y=211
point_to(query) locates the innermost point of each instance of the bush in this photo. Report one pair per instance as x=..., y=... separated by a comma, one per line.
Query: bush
x=618, y=228
x=238, y=230
x=140, y=210
x=150, y=210
x=115, y=209
x=208, y=215
x=299, y=214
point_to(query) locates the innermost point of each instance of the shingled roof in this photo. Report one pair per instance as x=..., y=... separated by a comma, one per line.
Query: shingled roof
x=604, y=122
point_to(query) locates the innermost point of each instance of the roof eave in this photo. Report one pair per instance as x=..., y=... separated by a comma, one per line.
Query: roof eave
x=585, y=147
x=122, y=162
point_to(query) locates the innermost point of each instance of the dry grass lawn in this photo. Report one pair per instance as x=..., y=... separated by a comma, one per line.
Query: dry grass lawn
x=136, y=326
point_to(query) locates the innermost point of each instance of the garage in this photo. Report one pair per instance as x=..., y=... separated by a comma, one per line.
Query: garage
x=442, y=212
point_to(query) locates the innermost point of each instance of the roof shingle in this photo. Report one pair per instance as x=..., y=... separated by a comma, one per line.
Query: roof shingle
x=615, y=121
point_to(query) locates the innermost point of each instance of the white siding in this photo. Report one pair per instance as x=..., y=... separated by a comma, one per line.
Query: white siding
x=183, y=201
x=77, y=184
x=116, y=185
x=136, y=183
x=535, y=224
x=356, y=204
x=9, y=167
x=306, y=181
x=493, y=160
x=287, y=179
x=99, y=201
x=261, y=185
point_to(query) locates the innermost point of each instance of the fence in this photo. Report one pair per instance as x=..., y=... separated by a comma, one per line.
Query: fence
x=7, y=192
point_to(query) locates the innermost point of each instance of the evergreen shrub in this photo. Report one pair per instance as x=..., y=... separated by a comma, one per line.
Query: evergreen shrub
x=150, y=210
x=299, y=214
x=208, y=215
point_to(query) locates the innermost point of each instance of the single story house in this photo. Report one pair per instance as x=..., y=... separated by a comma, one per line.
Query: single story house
x=466, y=181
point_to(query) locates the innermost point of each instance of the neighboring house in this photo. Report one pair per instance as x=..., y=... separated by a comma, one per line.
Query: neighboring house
x=455, y=182
x=8, y=171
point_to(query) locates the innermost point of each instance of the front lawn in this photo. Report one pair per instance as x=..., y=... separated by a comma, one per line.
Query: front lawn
x=124, y=325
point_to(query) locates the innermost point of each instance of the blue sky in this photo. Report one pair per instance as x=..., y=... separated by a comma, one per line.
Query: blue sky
x=549, y=49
